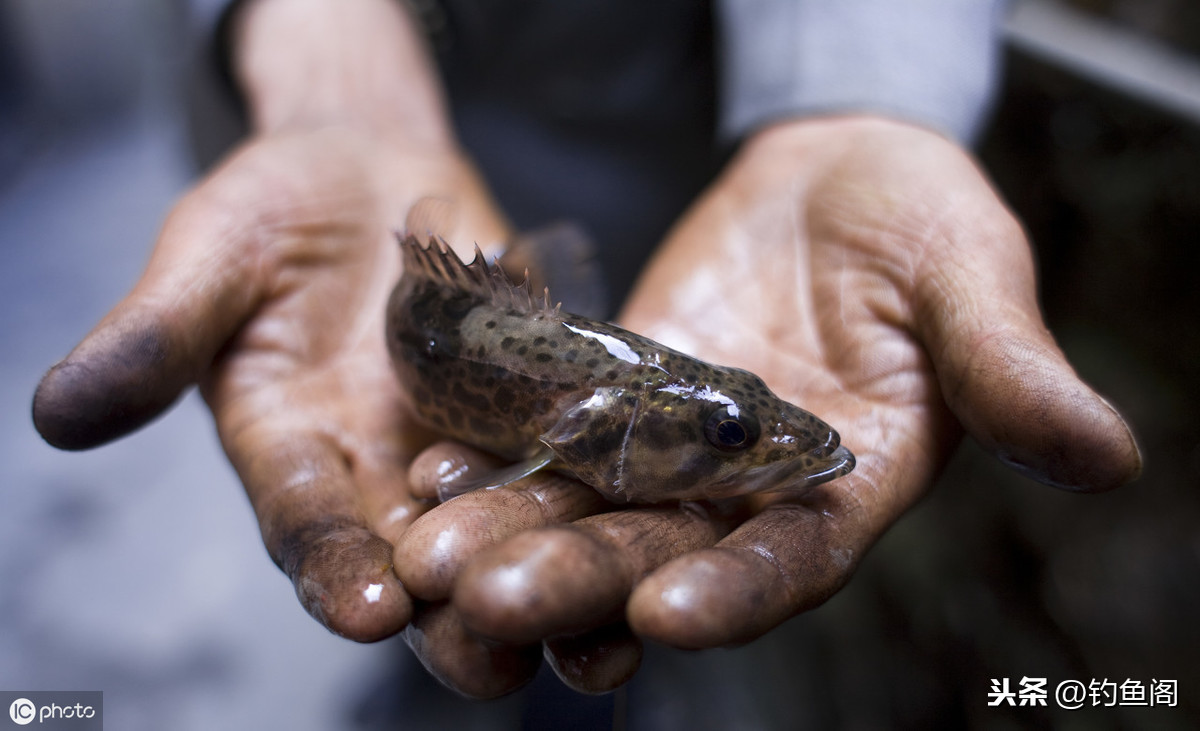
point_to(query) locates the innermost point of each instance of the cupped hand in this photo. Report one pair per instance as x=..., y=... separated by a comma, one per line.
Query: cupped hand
x=870, y=274
x=267, y=288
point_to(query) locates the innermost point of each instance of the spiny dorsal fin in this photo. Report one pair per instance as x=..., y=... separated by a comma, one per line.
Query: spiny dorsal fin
x=438, y=262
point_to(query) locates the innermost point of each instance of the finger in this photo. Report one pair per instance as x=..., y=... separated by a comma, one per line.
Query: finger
x=598, y=661
x=572, y=578
x=302, y=494
x=788, y=558
x=465, y=663
x=196, y=290
x=1003, y=375
x=431, y=216
x=430, y=555
x=465, y=220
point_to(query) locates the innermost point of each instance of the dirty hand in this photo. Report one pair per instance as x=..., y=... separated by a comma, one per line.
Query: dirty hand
x=868, y=272
x=267, y=287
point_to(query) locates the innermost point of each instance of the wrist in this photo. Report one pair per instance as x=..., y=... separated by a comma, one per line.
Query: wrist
x=808, y=146
x=313, y=63
x=829, y=132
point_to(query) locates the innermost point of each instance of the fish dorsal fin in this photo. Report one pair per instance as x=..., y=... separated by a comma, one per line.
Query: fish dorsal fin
x=437, y=262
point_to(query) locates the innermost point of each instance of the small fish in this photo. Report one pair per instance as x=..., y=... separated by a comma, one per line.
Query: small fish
x=490, y=365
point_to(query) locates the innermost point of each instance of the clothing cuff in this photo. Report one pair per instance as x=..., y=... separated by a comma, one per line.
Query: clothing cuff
x=932, y=62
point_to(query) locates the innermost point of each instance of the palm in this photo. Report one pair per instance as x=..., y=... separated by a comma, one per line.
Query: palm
x=806, y=279
x=267, y=287
x=307, y=373
x=305, y=401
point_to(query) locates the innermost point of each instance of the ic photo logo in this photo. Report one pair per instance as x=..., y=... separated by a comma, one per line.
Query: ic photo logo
x=22, y=711
x=54, y=709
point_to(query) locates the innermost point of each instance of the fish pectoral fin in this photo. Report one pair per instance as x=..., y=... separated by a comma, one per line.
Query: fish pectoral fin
x=498, y=477
x=589, y=440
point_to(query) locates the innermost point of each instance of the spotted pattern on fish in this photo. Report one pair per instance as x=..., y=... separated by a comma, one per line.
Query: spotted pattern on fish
x=488, y=364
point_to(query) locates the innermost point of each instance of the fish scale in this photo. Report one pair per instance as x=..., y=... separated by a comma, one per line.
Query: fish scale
x=487, y=363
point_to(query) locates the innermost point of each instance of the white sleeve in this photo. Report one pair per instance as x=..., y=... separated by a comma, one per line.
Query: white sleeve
x=933, y=62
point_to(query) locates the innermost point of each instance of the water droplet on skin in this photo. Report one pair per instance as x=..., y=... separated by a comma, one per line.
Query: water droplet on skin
x=450, y=470
x=373, y=593
x=680, y=596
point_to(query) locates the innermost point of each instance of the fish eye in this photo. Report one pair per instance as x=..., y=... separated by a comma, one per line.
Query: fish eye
x=730, y=433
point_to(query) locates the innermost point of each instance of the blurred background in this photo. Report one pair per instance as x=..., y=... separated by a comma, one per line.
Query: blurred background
x=137, y=568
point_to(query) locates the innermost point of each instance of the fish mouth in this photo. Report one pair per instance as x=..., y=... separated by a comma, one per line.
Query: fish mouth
x=833, y=465
x=792, y=476
x=831, y=446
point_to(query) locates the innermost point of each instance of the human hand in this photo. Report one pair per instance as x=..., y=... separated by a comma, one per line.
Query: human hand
x=868, y=272
x=267, y=287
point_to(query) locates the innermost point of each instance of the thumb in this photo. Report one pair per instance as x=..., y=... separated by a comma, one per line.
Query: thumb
x=1005, y=378
x=467, y=220
x=196, y=291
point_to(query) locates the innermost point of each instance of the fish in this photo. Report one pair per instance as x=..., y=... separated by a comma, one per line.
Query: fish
x=486, y=362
